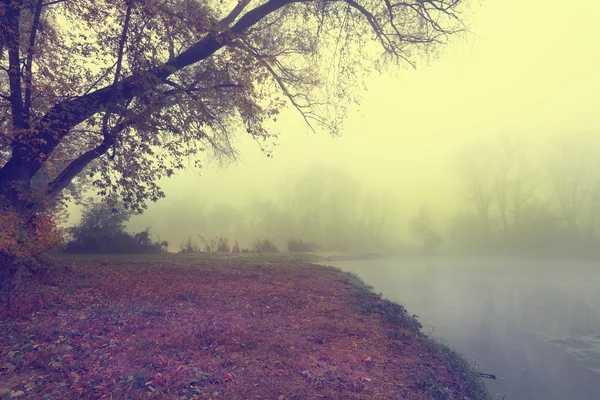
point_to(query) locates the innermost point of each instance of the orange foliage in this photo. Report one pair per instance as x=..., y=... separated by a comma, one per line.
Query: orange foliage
x=25, y=235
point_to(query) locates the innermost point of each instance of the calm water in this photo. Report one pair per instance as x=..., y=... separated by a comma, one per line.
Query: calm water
x=535, y=324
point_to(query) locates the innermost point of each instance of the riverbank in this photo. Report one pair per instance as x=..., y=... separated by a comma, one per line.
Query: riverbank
x=235, y=328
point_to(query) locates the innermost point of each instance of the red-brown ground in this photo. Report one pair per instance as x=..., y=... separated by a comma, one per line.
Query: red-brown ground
x=222, y=329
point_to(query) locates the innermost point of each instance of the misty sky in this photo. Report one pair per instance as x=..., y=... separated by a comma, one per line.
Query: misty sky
x=528, y=68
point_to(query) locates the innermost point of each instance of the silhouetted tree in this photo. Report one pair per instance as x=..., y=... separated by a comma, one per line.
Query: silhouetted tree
x=500, y=179
x=514, y=181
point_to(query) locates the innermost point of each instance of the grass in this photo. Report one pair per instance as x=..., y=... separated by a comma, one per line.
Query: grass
x=407, y=327
x=235, y=327
x=393, y=313
x=476, y=389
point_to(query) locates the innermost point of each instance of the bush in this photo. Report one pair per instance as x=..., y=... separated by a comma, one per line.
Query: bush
x=102, y=230
x=26, y=235
x=223, y=245
x=235, y=248
x=216, y=245
x=189, y=247
x=300, y=246
x=164, y=246
x=264, y=246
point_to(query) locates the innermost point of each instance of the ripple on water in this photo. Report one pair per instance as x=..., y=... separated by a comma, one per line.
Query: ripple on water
x=585, y=349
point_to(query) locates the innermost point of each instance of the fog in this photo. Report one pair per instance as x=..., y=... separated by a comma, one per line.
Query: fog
x=510, y=107
x=490, y=149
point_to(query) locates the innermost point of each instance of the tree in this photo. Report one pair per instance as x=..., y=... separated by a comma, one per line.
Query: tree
x=473, y=170
x=574, y=179
x=378, y=219
x=322, y=206
x=501, y=181
x=129, y=91
x=514, y=181
x=423, y=229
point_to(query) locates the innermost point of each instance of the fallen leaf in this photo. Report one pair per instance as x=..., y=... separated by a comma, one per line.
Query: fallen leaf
x=10, y=367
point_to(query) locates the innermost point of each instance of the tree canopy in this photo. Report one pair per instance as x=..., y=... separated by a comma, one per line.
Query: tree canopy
x=130, y=90
x=120, y=93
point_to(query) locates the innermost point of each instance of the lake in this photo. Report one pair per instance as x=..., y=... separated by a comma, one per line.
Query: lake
x=533, y=323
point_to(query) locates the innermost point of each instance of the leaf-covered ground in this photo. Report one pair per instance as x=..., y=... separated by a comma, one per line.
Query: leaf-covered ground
x=220, y=329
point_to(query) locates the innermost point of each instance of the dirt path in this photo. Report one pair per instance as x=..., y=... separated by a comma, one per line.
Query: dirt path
x=222, y=329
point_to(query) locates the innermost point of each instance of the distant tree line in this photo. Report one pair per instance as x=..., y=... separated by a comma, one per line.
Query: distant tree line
x=322, y=209
x=530, y=200
x=514, y=198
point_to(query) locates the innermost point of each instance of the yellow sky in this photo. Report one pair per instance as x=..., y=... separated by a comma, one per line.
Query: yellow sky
x=529, y=68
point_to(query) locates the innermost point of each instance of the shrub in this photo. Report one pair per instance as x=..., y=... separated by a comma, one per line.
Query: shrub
x=299, y=246
x=216, y=245
x=264, y=246
x=223, y=245
x=164, y=246
x=26, y=235
x=235, y=248
x=102, y=230
x=189, y=247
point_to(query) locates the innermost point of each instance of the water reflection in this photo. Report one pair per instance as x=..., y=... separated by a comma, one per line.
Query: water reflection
x=534, y=323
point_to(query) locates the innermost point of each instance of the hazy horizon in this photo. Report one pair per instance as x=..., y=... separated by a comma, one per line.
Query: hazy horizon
x=526, y=70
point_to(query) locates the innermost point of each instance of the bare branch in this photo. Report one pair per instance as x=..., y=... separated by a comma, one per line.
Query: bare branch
x=381, y=36
x=307, y=116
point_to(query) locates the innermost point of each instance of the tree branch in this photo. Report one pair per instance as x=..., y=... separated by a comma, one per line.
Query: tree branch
x=50, y=3
x=12, y=37
x=381, y=36
x=63, y=116
x=3, y=22
x=307, y=116
x=181, y=89
x=29, y=63
x=76, y=166
x=225, y=22
x=122, y=41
